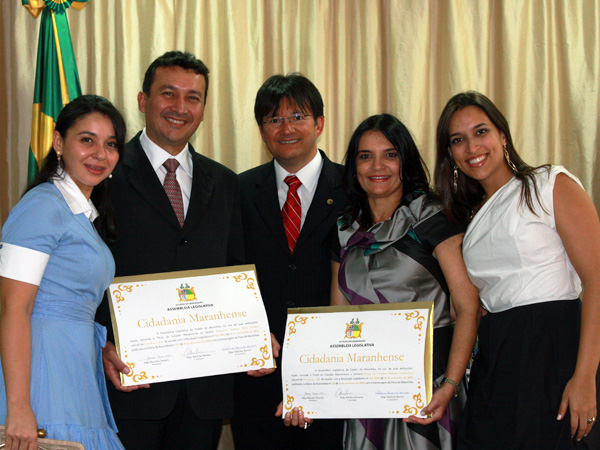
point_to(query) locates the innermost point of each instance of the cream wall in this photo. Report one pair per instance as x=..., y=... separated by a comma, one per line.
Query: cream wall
x=539, y=60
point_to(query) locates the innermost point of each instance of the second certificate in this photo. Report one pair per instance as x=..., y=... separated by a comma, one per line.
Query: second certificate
x=366, y=361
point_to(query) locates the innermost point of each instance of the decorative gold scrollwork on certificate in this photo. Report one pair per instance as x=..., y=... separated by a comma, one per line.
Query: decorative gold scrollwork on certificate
x=122, y=288
x=139, y=377
x=410, y=410
x=419, y=401
x=416, y=315
x=260, y=362
x=289, y=404
x=250, y=282
x=136, y=377
x=414, y=410
x=131, y=366
x=265, y=352
x=257, y=362
x=292, y=327
x=240, y=277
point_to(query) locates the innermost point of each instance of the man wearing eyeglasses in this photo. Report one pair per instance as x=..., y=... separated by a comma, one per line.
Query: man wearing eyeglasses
x=289, y=207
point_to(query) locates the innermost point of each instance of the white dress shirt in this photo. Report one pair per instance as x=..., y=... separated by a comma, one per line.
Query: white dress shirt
x=184, y=173
x=308, y=176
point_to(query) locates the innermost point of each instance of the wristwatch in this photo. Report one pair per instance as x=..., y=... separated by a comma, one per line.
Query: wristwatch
x=454, y=384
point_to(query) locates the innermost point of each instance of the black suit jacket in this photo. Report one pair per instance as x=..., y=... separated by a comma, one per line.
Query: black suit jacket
x=286, y=280
x=150, y=240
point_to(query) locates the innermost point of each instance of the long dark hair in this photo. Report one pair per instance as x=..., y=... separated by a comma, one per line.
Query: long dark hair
x=70, y=114
x=460, y=202
x=414, y=174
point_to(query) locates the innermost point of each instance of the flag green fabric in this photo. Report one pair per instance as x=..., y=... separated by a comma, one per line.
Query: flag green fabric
x=56, y=76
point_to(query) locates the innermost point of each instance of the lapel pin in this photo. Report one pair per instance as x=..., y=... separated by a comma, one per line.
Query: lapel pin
x=330, y=201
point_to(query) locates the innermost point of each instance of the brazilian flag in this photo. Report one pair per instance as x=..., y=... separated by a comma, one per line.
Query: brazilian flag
x=56, y=77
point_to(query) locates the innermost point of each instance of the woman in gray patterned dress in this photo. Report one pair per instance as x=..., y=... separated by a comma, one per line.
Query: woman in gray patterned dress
x=397, y=246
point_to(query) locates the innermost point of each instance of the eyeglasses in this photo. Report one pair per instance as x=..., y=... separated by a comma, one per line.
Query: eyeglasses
x=294, y=119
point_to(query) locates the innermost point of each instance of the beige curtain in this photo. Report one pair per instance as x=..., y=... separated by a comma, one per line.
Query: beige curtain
x=539, y=60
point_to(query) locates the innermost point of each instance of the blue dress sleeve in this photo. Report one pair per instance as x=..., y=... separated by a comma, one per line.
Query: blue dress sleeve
x=37, y=221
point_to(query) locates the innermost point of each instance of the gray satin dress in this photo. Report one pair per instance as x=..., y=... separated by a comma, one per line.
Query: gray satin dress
x=393, y=262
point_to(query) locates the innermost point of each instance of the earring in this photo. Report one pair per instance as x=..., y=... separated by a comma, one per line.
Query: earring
x=110, y=176
x=59, y=157
x=455, y=176
x=508, y=161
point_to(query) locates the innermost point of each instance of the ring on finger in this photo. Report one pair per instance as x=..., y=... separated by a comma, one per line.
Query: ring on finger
x=306, y=425
x=591, y=420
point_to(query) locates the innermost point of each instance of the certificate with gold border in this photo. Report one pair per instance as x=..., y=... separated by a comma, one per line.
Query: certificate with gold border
x=189, y=324
x=358, y=362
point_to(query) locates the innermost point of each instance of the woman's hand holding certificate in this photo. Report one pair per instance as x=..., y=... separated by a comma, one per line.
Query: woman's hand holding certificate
x=365, y=361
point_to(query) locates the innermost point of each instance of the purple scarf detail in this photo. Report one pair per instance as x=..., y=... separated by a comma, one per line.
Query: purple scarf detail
x=374, y=430
x=364, y=240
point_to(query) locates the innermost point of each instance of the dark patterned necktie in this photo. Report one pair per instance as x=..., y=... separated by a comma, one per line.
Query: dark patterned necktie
x=292, y=211
x=173, y=189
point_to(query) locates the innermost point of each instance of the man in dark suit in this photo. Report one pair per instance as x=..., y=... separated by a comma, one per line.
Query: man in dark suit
x=293, y=269
x=196, y=225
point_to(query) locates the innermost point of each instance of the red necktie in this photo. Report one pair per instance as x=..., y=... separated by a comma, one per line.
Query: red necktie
x=292, y=211
x=173, y=189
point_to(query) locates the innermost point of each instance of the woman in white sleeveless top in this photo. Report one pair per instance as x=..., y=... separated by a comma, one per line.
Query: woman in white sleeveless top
x=533, y=239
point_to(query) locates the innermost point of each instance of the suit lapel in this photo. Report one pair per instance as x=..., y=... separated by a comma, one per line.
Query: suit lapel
x=267, y=204
x=144, y=180
x=202, y=189
x=324, y=201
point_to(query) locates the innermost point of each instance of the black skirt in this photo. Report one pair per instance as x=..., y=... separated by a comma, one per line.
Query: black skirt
x=526, y=357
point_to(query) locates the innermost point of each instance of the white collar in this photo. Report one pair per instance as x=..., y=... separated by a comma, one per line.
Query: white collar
x=308, y=175
x=77, y=202
x=158, y=156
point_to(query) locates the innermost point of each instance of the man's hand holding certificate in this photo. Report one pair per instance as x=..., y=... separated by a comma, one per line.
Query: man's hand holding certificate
x=366, y=361
x=190, y=324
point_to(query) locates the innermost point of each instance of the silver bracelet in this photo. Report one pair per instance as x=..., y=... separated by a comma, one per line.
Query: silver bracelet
x=454, y=384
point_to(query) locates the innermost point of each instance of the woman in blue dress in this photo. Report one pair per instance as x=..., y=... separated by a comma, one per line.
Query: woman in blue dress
x=54, y=268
